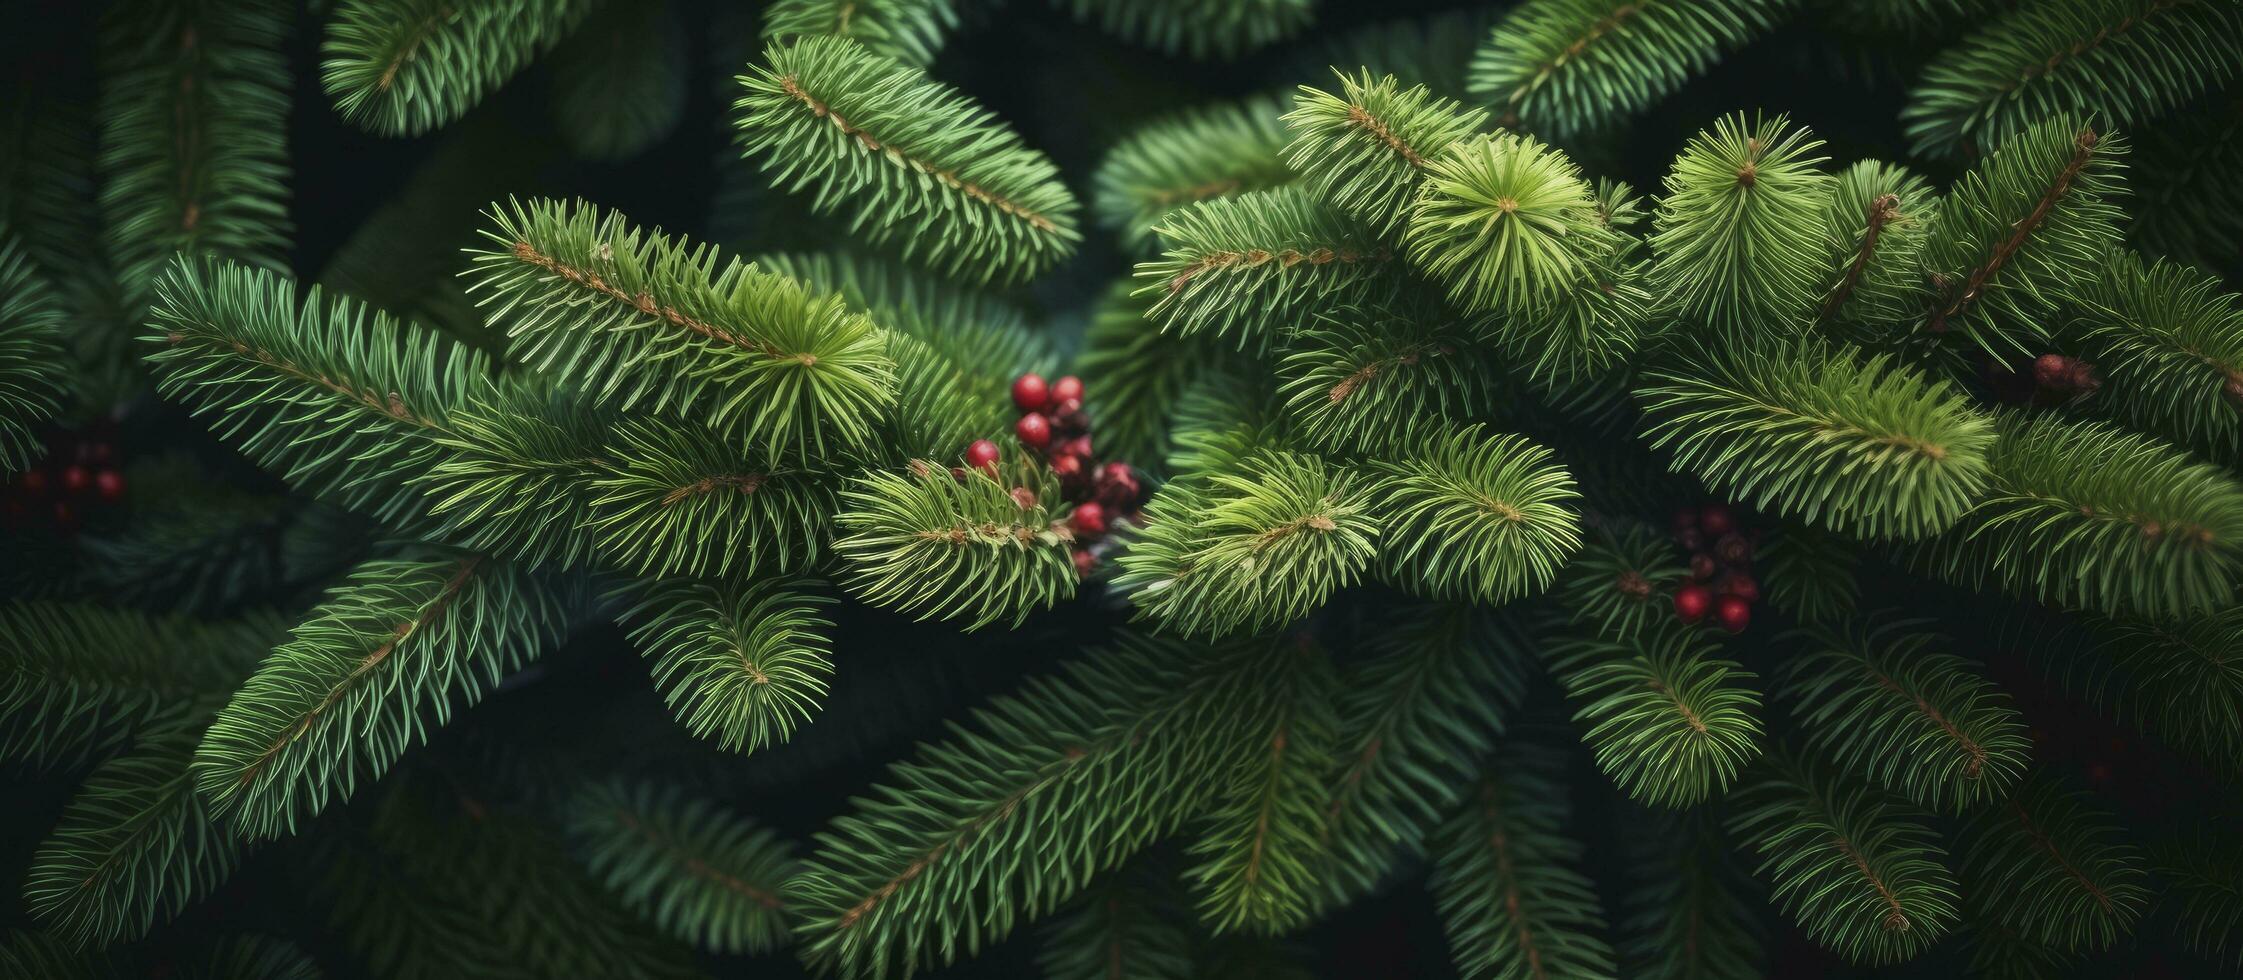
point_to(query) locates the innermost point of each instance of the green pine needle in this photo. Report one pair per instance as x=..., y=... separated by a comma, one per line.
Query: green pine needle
x=1258, y=847
x=706, y=876
x=32, y=379
x=1380, y=380
x=1252, y=267
x=910, y=31
x=1740, y=245
x=404, y=67
x=2167, y=342
x=1505, y=879
x=1366, y=149
x=1193, y=155
x=1671, y=723
x=1507, y=224
x=1476, y=516
x=1568, y=67
x=1873, y=234
x=2055, y=868
x=77, y=681
x=740, y=666
x=934, y=546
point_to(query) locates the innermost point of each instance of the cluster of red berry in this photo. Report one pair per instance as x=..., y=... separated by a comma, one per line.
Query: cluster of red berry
x=1053, y=425
x=78, y=474
x=1721, y=579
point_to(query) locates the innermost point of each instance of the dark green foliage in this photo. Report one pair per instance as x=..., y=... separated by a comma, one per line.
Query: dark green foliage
x=704, y=875
x=1508, y=224
x=645, y=322
x=1141, y=373
x=1566, y=67
x=619, y=84
x=1381, y=379
x=1432, y=50
x=2202, y=873
x=739, y=665
x=2039, y=213
x=79, y=681
x=1873, y=236
x=1693, y=916
x=1593, y=328
x=1120, y=926
x=1251, y=268
x=1861, y=873
x=1861, y=445
x=1193, y=155
x=910, y=31
x=962, y=548
x=404, y=67
x=2055, y=868
x=1739, y=246
x=1618, y=584
x=2180, y=681
x=905, y=160
x=1511, y=899
x=1258, y=849
x=1197, y=28
x=32, y=383
x=1885, y=702
x=396, y=648
x=2186, y=208
x=1476, y=516
x=1366, y=149
x=2167, y=342
x=1810, y=574
x=1670, y=721
x=2124, y=61
x=2092, y=516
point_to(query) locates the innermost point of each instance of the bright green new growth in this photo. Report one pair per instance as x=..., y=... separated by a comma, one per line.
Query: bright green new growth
x=2054, y=868
x=1365, y=150
x=1862, y=874
x=1740, y=245
x=2167, y=341
x=739, y=665
x=1197, y=29
x=1258, y=847
x=32, y=383
x=1873, y=235
x=706, y=876
x=1475, y=516
x=1670, y=722
x=1505, y=879
x=2095, y=517
x=2124, y=61
x=1252, y=267
x=1251, y=550
x=910, y=31
x=1508, y=224
x=395, y=649
x=906, y=160
x=640, y=321
x=1379, y=380
x=1193, y=155
x=1865, y=446
x=1566, y=67
x=404, y=67
x=1883, y=702
x=935, y=546
x=2039, y=213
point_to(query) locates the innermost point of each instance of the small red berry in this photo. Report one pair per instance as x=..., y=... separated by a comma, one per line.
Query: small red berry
x=982, y=455
x=34, y=483
x=1083, y=563
x=1033, y=430
x=76, y=478
x=1030, y=393
x=1068, y=417
x=1702, y=566
x=1089, y=519
x=1078, y=446
x=1733, y=549
x=110, y=484
x=1691, y=602
x=1740, y=585
x=1716, y=520
x=1067, y=389
x=1117, y=485
x=1068, y=467
x=1733, y=613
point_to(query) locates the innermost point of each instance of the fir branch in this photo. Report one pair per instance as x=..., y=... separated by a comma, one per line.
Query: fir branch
x=1193, y=155
x=678, y=500
x=1198, y=29
x=1259, y=845
x=1249, y=267
x=32, y=380
x=964, y=548
x=739, y=665
x=1565, y=67
x=1120, y=926
x=1594, y=327
x=2181, y=681
x=1476, y=516
x=514, y=476
x=1504, y=877
x=1873, y=233
x=78, y=681
x=910, y=31
x=1669, y=722
x=1619, y=584
x=1881, y=701
x=1738, y=243
x=706, y=876
x=1366, y=150
x=404, y=67
x=906, y=160
x=1694, y=917
x=2055, y=868
x=2168, y=343
x=1811, y=574
x=1507, y=224
x=1383, y=379
x=1141, y=373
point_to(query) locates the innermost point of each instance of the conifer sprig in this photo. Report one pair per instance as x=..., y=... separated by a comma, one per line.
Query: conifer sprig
x=1873, y=234
x=1366, y=149
x=1567, y=67
x=1505, y=879
x=1476, y=516
x=1507, y=223
x=32, y=380
x=1259, y=847
x=404, y=67
x=936, y=546
x=2054, y=867
x=78, y=681
x=1738, y=243
x=1211, y=151
x=741, y=666
x=705, y=875
x=1671, y=723
x=1380, y=380
x=2168, y=343
x=910, y=31
x=1253, y=267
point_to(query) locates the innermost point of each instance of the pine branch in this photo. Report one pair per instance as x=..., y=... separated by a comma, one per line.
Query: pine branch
x=1250, y=267
x=1259, y=844
x=1120, y=926
x=1590, y=333
x=2168, y=344
x=1671, y=723
x=1883, y=702
x=1142, y=373
x=1813, y=430
x=1367, y=150
x=33, y=384
x=1384, y=379
x=1174, y=160
x=392, y=652
x=2125, y=62
x=1508, y=225
x=36, y=954
x=2091, y=516
x=619, y=83
x=910, y=31
x=1476, y=516
x=905, y=160
x=1619, y=584
x=1566, y=67
x=404, y=67
x=938, y=547
x=2055, y=868
x=1695, y=916
x=1873, y=232
x=1739, y=243
x=2182, y=681
x=1860, y=873
x=706, y=876
x=1197, y=29
x=1504, y=877
x=739, y=665
x=1811, y=574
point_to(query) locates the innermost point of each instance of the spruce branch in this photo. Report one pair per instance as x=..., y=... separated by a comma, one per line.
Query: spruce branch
x=1865, y=446
x=395, y=649
x=1382, y=379
x=1885, y=702
x=1142, y=373
x=1250, y=267
x=404, y=67
x=905, y=160
x=1505, y=879
x=936, y=546
x=1695, y=916
x=739, y=665
x=1507, y=224
x=704, y=875
x=680, y=500
x=2180, y=681
x=1476, y=516
x=1566, y=67
x=1619, y=583
x=1259, y=847
x=1873, y=232
x=32, y=380
x=1122, y=925
x=1811, y=574
x=910, y=31
x=2168, y=342
x=1367, y=149
x=2055, y=868
x=1739, y=244
x=1188, y=156
x=1669, y=721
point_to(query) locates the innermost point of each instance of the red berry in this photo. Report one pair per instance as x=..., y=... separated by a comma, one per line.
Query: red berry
x=1083, y=564
x=1117, y=485
x=1067, y=416
x=110, y=484
x=1702, y=566
x=1067, y=389
x=1030, y=393
x=1691, y=602
x=1034, y=430
x=1068, y=467
x=76, y=478
x=1089, y=520
x=1078, y=446
x=1740, y=585
x=1716, y=520
x=983, y=455
x=1733, y=549
x=1733, y=613
x=34, y=483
